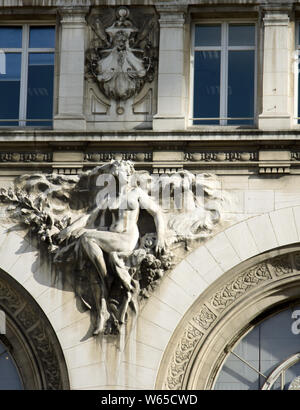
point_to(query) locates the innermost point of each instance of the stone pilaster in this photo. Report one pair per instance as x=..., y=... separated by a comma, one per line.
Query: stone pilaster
x=277, y=93
x=70, y=99
x=172, y=77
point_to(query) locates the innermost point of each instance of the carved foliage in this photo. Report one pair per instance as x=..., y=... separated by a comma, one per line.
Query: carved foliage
x=181, y=357
x=205, y=318
x=281, y=265
x=239, y=286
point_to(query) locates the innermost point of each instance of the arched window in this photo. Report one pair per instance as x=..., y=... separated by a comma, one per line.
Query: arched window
x=268, y=357
x=9, y=374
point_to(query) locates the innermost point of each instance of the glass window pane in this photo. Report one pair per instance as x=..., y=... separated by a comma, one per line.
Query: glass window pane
x=10, y=37
x=42, y=37
x=241, y=85
x=298, y=88
x=237, y=375
x=241, y=35
x=265, y=348
x=40, y=88
x=9, y=377
x=208, y=35
x=207, y=86
x=10, y=87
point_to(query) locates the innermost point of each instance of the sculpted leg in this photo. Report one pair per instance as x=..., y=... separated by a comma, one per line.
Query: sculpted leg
x=126, y=280
x=121, y=270
x=95, y=255
x=124, y=307
x=100, y=293
x=102, y=314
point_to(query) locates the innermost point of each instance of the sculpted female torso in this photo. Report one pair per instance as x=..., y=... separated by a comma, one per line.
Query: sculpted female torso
x=122, y=235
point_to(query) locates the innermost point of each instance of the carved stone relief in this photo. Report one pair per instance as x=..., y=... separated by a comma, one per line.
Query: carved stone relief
x=25, y=156
x=185, y=349
x=121, y=59
x=114, y=230
x=126, y=156
x=221, y=156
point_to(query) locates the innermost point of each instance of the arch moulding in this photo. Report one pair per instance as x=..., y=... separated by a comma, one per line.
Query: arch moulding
x=215, y=293
x=250, y=269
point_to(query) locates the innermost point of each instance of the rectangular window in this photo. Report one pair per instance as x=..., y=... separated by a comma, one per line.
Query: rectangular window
x=26, y=75
x=298, y=72
x=224, y=74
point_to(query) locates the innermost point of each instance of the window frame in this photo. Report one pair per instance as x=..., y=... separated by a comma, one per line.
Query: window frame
x=224, y=49
x=25, y=50
x=296, y=119
x=266, y=382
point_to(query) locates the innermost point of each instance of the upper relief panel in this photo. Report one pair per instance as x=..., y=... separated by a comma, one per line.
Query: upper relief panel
x=121, y=68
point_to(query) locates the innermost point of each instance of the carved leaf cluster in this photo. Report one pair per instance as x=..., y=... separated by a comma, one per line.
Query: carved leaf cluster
x=151, y=271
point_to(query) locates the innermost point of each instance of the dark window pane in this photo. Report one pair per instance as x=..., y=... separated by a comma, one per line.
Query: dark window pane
x=241, y=35
x=299, y=92
x=42, y=37
x=208, y=35
x=10, y=37
x=207, y=86
x=241, y=84
x=9, y=377
x=40, y=88
x=10, y=87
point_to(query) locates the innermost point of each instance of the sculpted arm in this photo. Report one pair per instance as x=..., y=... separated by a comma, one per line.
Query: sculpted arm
x=77, y=225
x=154, y=210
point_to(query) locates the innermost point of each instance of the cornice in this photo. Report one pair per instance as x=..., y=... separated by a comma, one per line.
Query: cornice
x=169, y=3
x=160, y=156
x=132, y=136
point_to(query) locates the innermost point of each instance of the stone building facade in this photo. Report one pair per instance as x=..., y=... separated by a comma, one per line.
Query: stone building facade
x=202, y=89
